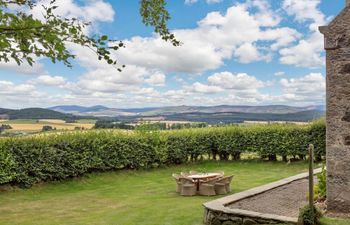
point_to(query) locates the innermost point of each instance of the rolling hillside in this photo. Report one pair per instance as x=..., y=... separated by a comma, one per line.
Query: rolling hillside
x=239, y=117
x=35, y=113
x=174, y=110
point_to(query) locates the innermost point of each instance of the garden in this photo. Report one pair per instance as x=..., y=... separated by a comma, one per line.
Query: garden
x=130, y=197
x=119, y=177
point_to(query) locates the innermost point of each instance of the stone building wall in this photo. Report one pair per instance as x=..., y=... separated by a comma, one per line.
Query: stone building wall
x=337, y=45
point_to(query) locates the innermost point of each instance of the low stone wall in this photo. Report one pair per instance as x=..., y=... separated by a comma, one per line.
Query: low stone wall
x=218, y=212
x=241, y=217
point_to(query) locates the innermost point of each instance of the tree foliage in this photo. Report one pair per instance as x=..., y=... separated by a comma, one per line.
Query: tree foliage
x=24, y=38
x=155, y=14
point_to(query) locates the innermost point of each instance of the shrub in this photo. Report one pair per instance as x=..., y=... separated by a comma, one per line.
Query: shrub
x=321, y=187
x=112, y=124
x=317, y=138
x=7, y=166
x=151, y=126
x=6, y=127
x=307, y=217
x=57, y=156
x=47, y=128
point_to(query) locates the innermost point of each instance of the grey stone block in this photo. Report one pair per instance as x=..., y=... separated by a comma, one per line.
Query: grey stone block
x=248, y=221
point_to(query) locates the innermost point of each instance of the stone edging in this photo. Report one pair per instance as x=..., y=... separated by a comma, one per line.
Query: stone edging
x=219, y=207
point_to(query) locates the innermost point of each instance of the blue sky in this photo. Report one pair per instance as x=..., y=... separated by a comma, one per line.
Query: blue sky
x=237, y=52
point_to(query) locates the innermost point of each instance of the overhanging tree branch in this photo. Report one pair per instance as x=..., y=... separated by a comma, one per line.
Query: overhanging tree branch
x=22, y=37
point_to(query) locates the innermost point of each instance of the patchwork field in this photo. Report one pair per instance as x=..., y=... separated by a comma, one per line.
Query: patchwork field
x=37, y=125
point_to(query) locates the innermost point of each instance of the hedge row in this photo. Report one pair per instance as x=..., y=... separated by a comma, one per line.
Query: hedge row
x=27, y=160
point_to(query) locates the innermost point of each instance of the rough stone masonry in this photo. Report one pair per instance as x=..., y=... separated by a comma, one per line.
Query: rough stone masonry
x=337, y=45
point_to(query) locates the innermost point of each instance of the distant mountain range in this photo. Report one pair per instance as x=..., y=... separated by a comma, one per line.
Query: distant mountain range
x=209, y=114
x=96, y=111
x=102, y=111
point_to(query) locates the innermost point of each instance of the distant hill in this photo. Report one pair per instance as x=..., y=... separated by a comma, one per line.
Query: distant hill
x=77, y=108
x=239, y=117
x=35, y=113
x=96, y=111
x=174, y=110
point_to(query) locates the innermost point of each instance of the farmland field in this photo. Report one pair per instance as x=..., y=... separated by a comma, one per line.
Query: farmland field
x=37, y=125
x=87, y=121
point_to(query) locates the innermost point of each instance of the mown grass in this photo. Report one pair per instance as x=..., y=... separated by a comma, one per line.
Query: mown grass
x=333, y=221
x=130, y=197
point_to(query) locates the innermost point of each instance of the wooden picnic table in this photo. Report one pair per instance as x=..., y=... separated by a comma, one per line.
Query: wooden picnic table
x=203, y=176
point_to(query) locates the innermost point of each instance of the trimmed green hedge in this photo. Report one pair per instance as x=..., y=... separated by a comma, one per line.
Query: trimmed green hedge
x=28, y=160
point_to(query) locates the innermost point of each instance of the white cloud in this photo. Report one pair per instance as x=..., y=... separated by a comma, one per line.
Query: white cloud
x=9, y=88
x=308, y=52
x=190, y=2
x=222, y=88
x=146, y=92
x=156, y=79
x=280, y=74
x=179, y=80
x=108, y=79
x=152, y=53
x=265, y=15
x=240, y=81
x=203, y=88
x=23, y=69
x=304, y=11
x=176, y=96
x=91, y=11
x=248, y=53
x=217, y=38
x=309, y=88
x=49, y=80
x=213, y=1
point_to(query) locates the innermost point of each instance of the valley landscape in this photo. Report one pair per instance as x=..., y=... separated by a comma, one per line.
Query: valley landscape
x=159, y=112
x=73, y=117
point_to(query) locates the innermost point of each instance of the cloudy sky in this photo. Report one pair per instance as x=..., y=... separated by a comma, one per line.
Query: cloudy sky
x=237, y=52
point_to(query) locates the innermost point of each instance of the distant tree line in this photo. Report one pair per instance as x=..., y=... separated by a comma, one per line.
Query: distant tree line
x=112, y=124
x=145, y=126
x=187, y=125
x=151, y=126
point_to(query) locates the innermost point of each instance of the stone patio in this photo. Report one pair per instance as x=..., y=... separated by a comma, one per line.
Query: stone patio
x=274, y=203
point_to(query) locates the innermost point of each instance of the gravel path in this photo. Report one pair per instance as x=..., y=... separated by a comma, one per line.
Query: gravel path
x=283, y=201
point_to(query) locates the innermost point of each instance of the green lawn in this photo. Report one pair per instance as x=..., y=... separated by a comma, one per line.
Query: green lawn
x=331, y=221
x=130, y=197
